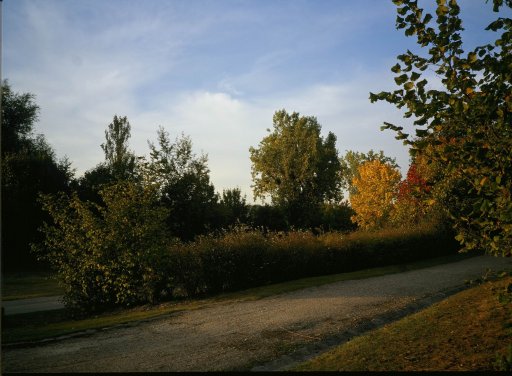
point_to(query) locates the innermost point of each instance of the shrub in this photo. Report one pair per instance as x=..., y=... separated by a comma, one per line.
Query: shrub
x=294, y=254
x=118, y=254
x=107, y=255
x=246, y=258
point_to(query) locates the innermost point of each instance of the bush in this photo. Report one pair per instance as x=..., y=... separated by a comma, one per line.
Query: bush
x=118, y=254
x=246, y=258
x=107, y=255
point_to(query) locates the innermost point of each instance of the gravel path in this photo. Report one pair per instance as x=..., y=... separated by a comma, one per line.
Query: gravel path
x=268, y=334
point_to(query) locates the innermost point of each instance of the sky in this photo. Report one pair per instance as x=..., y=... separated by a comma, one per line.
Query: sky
x=214, y=70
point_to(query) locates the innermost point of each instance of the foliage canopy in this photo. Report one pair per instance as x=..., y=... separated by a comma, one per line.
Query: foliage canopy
x=29, y=166
x=468, y=120
x=351, y=162
x=296, y=166
x=376, y=187
x=184, y=182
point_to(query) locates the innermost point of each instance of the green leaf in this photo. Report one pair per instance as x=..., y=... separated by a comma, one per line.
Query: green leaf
x=442, y=10
x=402, y=11
x=494, y=26
x=401, y=79
x=395, y=68
x=415, y=76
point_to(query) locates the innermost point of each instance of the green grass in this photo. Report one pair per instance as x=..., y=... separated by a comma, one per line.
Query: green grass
x=29, y=285
x=469, y=331
x=41, y=325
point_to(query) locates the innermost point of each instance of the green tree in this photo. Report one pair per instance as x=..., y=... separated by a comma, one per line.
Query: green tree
x=91, y=182
x=119, y=164
x=337, y=217
x=468, y=120
x=118, y=157
x=351, y=162
x=267, y=218
x=297, y=167
x=29, y=166
x=185, y=186
x=19, y=114
x=234, y=206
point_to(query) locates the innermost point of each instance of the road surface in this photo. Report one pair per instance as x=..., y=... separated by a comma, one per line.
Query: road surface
x=267, y=334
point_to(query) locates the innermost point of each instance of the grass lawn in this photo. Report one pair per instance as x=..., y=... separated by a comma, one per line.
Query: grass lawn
x=41, y=325
x=468, y=331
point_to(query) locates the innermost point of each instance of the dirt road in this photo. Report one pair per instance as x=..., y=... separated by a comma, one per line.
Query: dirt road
x=267, y=334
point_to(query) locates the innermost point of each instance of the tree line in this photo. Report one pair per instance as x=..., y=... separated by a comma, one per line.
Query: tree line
x=460, y=171
x=32, y=176
x=294, y=166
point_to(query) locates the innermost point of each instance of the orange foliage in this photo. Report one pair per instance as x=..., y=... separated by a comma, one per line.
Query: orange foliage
x=376, y=190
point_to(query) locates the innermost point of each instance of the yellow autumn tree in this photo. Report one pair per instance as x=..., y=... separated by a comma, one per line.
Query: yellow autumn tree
x=376, y=188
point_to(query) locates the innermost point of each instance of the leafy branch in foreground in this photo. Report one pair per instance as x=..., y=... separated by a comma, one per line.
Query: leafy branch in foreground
x=466, y=126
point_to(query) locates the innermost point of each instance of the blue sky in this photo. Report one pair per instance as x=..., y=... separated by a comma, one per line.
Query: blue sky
x=215, y=70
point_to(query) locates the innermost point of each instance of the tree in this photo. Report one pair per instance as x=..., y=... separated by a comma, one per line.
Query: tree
x=118, y=157
x=296, y=167
x=19, y=114
x=120, y=162
x=29, y=166
x=351, y=162
x=376, y=189
x=411, y=203
x=90, y=184
x=185, y=187
x=267, y=218
x=234, y=206
x=468, y=120
x=337, y=217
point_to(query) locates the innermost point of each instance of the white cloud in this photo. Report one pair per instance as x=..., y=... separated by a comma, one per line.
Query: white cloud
x=220, y=126
x=86, y=63
x=224, y=126
x=82, y=77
